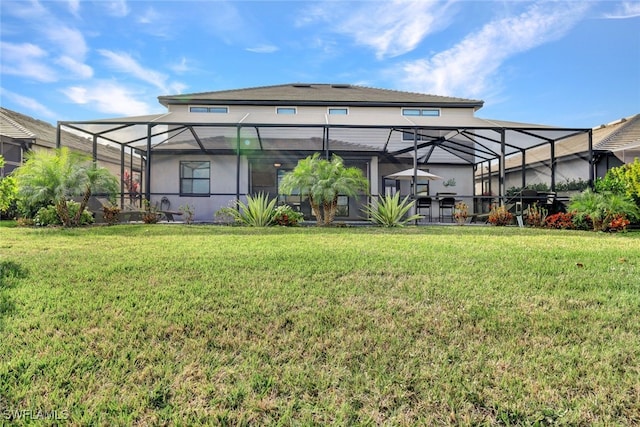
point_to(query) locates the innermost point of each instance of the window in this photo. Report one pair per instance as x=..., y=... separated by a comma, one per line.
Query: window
x=343, y=206
x=286, y=110
x=194, y=178
x=219, y=110
x=425, y=112
x=339, y=111
x=408, y=136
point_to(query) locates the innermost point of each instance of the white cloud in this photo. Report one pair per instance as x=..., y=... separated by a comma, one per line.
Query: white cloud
x=117, y=8
x=469, y=68
x=390, y=28
x=625, y=10
x=181, y=67
x=26, y=60
x=69, y=40
x=74, y=7
x=109, y=98
x=265, y=48
x=79, y=69
x=28, y=103
x=123, y=62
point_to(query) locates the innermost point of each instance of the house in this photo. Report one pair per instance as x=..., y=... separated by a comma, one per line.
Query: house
x=209, y=149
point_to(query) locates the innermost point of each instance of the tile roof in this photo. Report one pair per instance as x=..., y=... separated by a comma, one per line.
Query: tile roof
x=319, y=94
x=19, y=126
x=12, y=129
x=618, y=135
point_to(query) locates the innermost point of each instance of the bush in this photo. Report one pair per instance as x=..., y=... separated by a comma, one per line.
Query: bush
x=49, y=216
x=110, y=214
x=287, y=216
x=602, y=208
x=259, y=211
x=561, y=221
x=390, y=211
x=500, y=216
x=536, y=216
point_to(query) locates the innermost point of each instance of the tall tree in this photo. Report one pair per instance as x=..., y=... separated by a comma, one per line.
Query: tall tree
x=322, y=181
x=56, y=177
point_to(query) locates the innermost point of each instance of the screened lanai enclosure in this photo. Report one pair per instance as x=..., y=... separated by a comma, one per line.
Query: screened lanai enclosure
x=208, y=161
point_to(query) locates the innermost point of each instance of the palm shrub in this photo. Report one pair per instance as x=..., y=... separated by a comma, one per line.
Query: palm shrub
x=321, y=182
x=259, y=211
x=54, y=178
x=602, y=208
x=390, y=211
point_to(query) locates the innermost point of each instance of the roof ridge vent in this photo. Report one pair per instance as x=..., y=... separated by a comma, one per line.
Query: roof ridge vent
x=301, y=85
x=341, y=86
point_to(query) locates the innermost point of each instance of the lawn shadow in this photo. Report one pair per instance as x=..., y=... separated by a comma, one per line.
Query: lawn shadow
x=10, y=272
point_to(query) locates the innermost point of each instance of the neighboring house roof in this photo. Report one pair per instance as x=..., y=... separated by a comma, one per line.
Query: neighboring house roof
x=18, y=126
x=12, y=129
x=319, y=94
x=619, y=135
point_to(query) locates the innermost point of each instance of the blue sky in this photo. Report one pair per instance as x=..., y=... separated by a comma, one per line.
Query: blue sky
x=565, y=63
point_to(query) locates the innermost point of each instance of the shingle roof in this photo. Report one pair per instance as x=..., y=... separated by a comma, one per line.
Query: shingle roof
x=319, y=94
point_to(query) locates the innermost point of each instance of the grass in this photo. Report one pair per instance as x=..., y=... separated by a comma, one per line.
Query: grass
x=186, y=325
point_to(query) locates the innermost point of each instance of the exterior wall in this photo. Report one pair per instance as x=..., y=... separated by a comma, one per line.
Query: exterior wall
x=165, y=182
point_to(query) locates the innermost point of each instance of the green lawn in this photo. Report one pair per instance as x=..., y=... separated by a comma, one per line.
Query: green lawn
x=173, y=324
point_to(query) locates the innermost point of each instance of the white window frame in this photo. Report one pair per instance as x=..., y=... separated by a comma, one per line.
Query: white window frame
x=345, y=109
x=422, y=112
x=210, y=109
x=281, y=110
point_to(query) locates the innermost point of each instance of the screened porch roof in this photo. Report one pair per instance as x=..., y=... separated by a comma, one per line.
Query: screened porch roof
x=455, y=139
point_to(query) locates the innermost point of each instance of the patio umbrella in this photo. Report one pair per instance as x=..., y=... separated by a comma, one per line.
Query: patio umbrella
x=408, y=174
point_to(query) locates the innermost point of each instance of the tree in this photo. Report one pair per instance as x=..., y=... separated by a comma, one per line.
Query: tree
x=53, y=178
x=322, y=181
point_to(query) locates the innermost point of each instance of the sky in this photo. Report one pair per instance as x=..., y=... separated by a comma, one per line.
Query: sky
x=562, y=63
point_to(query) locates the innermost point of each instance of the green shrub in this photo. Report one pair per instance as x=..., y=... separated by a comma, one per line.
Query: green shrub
x=287, y=216
x=390, y=211
x=8, y=196
x=49, y=216
x=602, y=208
x=259, y=211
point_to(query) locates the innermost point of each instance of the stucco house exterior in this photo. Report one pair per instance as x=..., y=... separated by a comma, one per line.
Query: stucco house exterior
x=209, y=149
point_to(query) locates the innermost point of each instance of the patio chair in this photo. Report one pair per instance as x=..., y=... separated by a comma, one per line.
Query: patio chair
x=423, y=203
x=447, y=204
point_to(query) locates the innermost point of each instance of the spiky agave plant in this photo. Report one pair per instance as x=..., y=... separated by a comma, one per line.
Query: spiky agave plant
x=259, y=211
x=390, y=211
